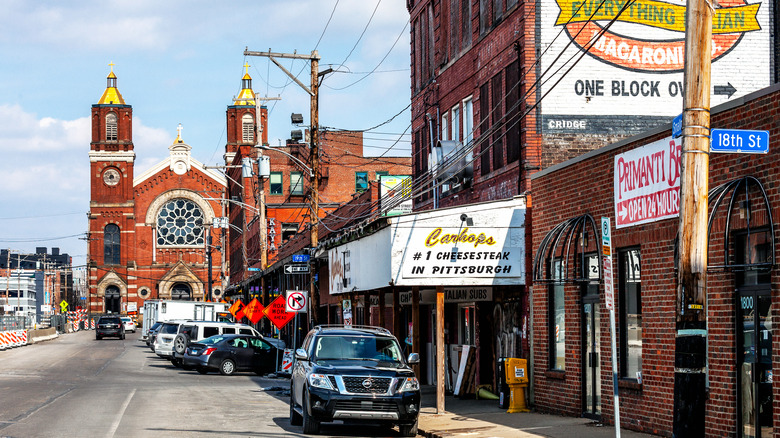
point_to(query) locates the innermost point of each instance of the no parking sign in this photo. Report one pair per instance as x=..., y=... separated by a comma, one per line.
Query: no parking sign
x=296, y=301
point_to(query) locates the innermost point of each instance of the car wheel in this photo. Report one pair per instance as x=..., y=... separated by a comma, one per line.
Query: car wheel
x=180, y=343
x=408, y=429
x=202, y=370
x=97, y=337
x=310, y=425
x=176, y=362
x=227, y=368
x=295, y=418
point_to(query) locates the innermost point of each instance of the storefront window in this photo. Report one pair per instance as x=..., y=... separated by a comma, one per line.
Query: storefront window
x=630, y=314
x=557, y=320
x=466, y=324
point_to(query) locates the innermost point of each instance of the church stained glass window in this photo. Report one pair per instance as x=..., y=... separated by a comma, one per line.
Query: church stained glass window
x=180, y=222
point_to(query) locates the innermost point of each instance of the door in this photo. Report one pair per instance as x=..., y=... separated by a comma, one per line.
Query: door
x=591, y=367
x=754, y=330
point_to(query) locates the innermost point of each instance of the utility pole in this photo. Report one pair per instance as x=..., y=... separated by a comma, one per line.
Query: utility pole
x=314, y=301
x=690, y=356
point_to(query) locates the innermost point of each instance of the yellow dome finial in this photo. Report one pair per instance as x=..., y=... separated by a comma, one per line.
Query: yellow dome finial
x=111, y=96
x=246, y=96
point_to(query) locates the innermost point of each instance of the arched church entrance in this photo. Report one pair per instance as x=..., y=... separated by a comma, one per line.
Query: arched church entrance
x=181, y=291
x=113, y=299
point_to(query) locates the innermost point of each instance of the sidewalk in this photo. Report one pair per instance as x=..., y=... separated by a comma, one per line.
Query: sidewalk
x=483, y=419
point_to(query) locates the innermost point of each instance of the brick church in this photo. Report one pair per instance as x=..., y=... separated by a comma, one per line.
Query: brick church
x=150, y=233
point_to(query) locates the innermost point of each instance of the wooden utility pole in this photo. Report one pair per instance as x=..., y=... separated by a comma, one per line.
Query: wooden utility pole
x=314, y=159
x=314, y=299
x=441, y=366
x=690, y=356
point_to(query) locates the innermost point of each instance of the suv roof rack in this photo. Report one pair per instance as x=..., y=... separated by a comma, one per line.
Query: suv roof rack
x=359, y=327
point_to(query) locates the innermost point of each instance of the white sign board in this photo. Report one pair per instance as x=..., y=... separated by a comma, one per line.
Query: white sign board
x=132, y=306
x=360, y=265
x=629, y=74
x=606, y=251
x=647, y=183
x=395, y=194
x=296, y=301
x=440, y=248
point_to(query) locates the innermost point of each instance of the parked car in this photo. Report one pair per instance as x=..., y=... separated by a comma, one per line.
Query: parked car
x=193, y=331
x=109, y=326
x=354, y=374
x=230, y=353
x=152, y=333
x=163, y=342
x=128, y=323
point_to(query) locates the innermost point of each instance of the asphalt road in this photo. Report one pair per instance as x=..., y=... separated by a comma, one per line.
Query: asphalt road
x=76, y=386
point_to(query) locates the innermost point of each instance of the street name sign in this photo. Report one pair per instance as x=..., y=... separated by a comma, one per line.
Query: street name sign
x=296, y=269
x=677, y=126
x=740, y=141
x=255, y=269
x=300, y=258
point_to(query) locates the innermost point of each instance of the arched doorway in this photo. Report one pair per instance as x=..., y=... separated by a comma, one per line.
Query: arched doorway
x=113, y=299
x=181, y=291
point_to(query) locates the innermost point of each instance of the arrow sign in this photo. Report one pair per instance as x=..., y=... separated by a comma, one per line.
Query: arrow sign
x=725, y=90
x=296, y=269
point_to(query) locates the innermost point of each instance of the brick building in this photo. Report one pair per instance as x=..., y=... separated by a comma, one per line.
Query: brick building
x=503, y=88
x=635, y=183
x=148, y=232
x=345, y=173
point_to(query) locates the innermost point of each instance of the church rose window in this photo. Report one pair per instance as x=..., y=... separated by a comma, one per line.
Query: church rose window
x=180, y=222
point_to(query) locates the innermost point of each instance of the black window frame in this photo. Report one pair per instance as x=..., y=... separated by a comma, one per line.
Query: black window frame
x=623, y=303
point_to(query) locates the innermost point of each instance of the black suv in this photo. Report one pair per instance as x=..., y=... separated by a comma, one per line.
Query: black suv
x=109, y=326
x=354, y=374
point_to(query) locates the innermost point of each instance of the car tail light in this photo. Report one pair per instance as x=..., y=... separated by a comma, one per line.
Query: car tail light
x=208, y=351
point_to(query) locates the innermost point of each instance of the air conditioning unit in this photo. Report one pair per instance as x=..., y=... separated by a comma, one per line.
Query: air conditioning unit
x=455, y=169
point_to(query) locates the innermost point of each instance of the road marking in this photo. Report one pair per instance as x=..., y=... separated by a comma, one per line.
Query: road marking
x=121, y=414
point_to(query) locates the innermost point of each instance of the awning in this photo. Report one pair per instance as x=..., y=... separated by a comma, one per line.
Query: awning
x=570, y=252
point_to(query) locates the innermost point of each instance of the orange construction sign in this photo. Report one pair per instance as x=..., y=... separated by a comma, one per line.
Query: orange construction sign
x=237, y=310
x=254, y=311
x=277, y=312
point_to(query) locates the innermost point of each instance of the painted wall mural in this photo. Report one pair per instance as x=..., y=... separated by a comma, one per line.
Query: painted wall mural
x=629, y=58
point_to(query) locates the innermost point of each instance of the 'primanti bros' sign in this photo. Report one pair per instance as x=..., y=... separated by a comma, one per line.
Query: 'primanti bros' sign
x=476, y=245
x=647, y=183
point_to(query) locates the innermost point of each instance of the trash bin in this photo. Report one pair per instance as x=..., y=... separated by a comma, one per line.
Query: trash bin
x=503, y=388
x=517, y=380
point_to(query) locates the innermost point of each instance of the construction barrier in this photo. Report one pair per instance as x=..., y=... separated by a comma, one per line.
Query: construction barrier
x=13, y=338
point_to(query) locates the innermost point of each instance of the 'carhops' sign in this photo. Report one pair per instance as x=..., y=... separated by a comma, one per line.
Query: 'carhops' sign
x=647, y=183
x=630, y=78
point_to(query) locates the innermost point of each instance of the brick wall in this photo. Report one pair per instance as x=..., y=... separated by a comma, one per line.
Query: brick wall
x=586, y=187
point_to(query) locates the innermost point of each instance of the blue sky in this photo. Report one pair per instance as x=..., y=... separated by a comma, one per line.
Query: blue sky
x=176, y=62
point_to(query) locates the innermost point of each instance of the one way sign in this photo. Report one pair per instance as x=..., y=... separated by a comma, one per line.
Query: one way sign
x=296, y=269
x=296, y=301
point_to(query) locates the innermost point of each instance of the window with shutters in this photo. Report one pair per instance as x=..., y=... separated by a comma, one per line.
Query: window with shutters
x=111, y=127
x=248, y=128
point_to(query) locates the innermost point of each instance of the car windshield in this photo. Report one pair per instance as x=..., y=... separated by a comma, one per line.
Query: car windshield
x=155, y=326
x=357, y=348
x=109, y=321
x=169, y=329
x=126, y=319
